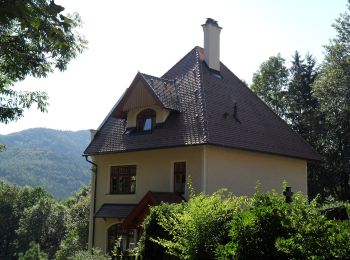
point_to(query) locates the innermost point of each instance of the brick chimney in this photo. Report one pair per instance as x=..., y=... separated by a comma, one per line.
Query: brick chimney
x=212, y=44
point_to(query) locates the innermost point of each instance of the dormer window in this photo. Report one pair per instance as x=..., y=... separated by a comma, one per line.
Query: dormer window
x=146, y=120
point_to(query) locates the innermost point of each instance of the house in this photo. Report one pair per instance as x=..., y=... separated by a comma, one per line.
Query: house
x=197, y=120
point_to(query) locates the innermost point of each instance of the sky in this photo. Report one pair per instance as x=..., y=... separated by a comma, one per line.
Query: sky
x=151, y=36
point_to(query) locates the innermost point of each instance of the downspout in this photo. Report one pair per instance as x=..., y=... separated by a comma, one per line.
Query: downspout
x=94, y=170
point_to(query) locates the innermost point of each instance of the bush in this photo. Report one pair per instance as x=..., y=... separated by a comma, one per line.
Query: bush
x=94, y=254
x=197, y=227
x=149, y=249
x=33, y=253
x=253, y=231
x=274, y=229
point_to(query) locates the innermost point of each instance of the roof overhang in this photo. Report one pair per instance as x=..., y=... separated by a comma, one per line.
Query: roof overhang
x=119, y=211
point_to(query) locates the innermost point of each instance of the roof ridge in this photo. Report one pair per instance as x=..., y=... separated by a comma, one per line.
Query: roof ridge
x=160, y=78
x=204, y=100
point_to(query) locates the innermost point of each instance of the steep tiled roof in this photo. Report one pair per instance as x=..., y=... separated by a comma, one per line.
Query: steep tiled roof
x=210, y=110
x=165, y=91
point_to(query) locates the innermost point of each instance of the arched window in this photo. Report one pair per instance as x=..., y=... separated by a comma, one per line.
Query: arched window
x=146, y=120
x=125, y=237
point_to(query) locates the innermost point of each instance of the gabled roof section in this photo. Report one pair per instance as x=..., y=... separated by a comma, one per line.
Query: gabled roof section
x=213, y=110
x=165, y=90
x=184, y=128
x=137, y=214
x=147, y=90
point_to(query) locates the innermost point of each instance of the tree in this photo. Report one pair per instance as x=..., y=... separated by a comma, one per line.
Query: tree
x=270, y=82
x=332, y=88
x=77, y=223
x=44, y=224
x=301, y=105
x=35, y=38
x=13, y=202
x=8, y=219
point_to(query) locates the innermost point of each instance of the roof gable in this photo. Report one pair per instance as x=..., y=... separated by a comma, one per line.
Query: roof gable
x=146, y=91
x=138, y=213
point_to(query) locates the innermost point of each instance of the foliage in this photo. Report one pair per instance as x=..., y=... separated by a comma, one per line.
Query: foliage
x=43, y=223
x=315, y=102
x=13, y=202
x=198, y=226
x=78, y=216
x=69, y=246
x=270, y=81
x=9, y=219
x=77, y=223
x=253, y=231
x=95, y=254
x=33, y=253
x=301, y=106
x=332, y=88
x=46, y=157
x=274, y=229
x=148, y=248
x=31, y=215
x=35, y=37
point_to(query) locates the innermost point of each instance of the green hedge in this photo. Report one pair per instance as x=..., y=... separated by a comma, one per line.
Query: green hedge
x=224, y=226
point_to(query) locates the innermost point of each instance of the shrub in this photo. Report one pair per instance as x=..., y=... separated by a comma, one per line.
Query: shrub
x=274, y=229
x=33, y=253
x=94, y=254
x=149, y=249
x=197, y=227
x=253, y=231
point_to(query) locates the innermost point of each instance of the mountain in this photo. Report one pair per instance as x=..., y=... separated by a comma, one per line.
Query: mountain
x=46, y=157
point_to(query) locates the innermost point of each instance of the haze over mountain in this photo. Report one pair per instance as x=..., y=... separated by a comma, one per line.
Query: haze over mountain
x=46, y=157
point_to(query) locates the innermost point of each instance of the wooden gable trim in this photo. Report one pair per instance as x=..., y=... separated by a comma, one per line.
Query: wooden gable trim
x=118, y=111
x=138, y=214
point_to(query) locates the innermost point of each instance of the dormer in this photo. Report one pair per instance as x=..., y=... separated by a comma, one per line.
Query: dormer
x=147, y=103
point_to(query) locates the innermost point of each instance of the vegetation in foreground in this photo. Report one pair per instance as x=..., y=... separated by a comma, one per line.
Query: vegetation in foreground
x=217, y=226
x=224, y=226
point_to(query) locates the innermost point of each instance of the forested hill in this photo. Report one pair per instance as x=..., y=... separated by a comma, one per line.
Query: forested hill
x=46, y=157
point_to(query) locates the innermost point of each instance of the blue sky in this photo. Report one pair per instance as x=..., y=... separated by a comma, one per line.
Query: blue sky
x=150, y=36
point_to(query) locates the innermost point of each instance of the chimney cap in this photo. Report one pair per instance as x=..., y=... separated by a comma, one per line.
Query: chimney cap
x=212, y=21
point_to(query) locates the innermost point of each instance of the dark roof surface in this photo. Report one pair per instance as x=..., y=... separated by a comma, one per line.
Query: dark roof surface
x=165, y=91
x=206, y=115
x=114, y=210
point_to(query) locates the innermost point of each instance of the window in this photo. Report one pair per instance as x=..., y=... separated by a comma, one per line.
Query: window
x=179, y=177
x=146, y=120
x=127, y=238
x=123, y=179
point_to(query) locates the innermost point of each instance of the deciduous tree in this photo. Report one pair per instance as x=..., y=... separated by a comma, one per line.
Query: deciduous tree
x=36, y=37
x=332, y=88
x=270, y=83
